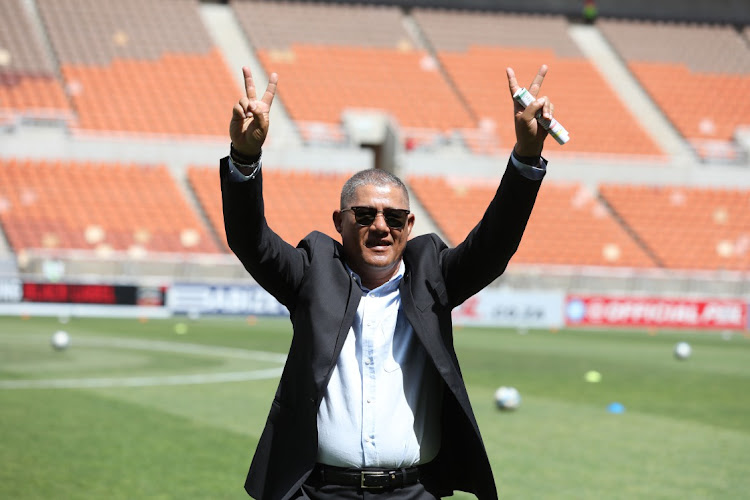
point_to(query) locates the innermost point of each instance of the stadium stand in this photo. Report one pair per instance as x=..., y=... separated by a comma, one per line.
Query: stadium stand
x=138, y=73
x=569, y=225
x=26, y=72
x=338, y=57
x=699, y=76
x=140, y=67
x=97, y=206
x=475, y=48
x=687, y=227
x=293, y=209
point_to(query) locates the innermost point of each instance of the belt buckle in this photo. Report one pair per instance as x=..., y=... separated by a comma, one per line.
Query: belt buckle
x=373, y=474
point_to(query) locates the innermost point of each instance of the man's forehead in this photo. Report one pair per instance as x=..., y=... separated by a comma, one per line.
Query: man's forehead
x=385, y=194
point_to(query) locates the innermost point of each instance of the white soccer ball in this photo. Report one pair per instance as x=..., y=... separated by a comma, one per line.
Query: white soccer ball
x=60, y=340
x=507, y=398
x=682, y=350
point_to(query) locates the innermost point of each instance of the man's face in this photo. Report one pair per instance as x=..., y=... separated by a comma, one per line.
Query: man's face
x=374, y=251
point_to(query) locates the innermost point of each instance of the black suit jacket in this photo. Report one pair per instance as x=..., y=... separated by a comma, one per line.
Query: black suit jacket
x=322, y=298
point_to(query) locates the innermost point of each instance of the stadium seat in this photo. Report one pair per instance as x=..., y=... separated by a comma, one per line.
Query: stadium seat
x=292, y=208
x=692, y=72
x=28, y=85
x=687, y=227
x=569, y=225
x=332, y=58
x=151, y=69
x=140, y=67
x=475, y=49
x=70, y=205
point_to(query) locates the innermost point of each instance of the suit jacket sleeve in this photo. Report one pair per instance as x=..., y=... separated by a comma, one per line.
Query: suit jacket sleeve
x=486, y=251
x=276, y=265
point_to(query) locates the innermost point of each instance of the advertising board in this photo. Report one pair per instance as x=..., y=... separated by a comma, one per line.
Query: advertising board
x=597, y=310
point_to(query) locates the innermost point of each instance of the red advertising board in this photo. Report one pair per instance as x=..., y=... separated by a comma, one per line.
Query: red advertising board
x=724, y=314
x=129, y=295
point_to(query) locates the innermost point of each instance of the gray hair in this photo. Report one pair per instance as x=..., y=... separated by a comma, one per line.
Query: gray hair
x=371, y=176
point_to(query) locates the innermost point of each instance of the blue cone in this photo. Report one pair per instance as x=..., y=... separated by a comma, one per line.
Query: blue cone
x=616, y=408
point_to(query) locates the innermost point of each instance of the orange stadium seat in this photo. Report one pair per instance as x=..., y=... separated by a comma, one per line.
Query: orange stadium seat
x=336, y=57
x=475, y=49
x=387, y=79
x=569, y=225
x=97, y=206
x=141, y=67
x=688, y=227
x=704, y=107
x=293, y=209
x=698, y=75
x=28, y=85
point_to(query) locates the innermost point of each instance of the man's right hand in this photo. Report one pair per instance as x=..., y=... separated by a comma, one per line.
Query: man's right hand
x=249, y=126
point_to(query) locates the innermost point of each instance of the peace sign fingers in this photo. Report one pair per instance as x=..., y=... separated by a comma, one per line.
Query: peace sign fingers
x=248, y=127
x=536, y=84
x=249, y=84
x=270, y=92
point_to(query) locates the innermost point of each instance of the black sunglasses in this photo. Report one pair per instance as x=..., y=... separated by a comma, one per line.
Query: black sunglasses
x=395, y=218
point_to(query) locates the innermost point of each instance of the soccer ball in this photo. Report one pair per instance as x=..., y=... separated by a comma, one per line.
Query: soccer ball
x=507, y=398
x=60, y=340
x=682, y=350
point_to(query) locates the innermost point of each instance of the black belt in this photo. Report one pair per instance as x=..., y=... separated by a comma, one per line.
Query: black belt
x=380, y=479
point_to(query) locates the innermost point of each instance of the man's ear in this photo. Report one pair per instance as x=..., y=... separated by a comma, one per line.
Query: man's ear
x=337, y=220
x=409, y=224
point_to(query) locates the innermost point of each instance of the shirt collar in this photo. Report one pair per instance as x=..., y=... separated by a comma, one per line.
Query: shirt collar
x=388, y=286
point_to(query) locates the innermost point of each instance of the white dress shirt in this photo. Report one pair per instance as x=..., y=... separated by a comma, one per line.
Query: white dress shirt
x=382, y=404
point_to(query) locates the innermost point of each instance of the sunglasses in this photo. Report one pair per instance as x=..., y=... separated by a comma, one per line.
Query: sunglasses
x=395, y=218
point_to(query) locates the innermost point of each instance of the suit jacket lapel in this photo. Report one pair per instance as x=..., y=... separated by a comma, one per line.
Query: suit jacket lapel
x=334, y=343
x=429, y=337
x=433, y=344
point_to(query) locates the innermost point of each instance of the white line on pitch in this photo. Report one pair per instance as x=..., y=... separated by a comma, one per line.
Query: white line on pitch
x=89, y=383
x=161, y=346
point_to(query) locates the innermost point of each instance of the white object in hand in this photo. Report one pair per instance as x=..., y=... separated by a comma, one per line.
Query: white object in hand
x=524, y=98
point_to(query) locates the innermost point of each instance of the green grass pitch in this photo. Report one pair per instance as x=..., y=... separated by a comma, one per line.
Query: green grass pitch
x=121, y=415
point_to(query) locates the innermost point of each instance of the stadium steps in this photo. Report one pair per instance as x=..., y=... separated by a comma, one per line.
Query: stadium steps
x=423, y=42
x=596, y=48
x=180, y=176
x=224, y=29
x=634, y=235
x=33, y=16
x=423, y=223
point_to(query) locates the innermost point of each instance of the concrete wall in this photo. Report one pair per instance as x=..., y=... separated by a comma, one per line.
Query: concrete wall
x=724, y=11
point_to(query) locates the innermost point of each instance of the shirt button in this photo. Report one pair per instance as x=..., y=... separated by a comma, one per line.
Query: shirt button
x=369, y=400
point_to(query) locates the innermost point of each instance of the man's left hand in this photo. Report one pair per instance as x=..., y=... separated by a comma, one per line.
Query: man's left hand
x=530, y=135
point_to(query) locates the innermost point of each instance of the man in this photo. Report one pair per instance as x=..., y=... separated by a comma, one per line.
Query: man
x=371, y=400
